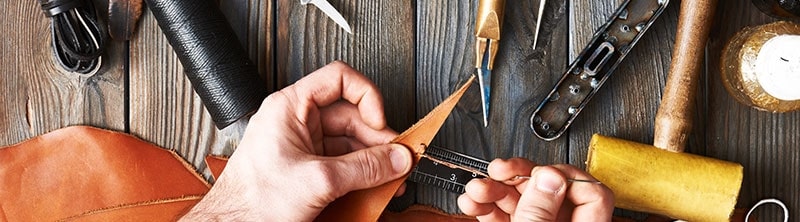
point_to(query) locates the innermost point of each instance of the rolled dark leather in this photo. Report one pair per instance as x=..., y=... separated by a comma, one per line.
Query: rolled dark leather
x=216, y=64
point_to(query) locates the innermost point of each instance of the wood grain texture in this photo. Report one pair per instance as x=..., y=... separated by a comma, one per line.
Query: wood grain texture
x=767, y=144
x=674, y=118
x=625, y=107
x=39, y=95
x=520, y=79
x=253, y=23
x=417, y=52
x=164, y=109
x=381, y=47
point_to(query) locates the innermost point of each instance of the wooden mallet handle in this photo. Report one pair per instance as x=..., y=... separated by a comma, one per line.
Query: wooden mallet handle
x=674, y=117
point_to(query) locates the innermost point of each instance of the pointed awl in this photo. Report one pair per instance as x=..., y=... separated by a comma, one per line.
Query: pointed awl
x=488, y=24
x=538, y=22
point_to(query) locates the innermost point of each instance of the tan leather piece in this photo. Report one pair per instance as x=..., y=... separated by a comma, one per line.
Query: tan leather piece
x=79, y=169
x=368, y=204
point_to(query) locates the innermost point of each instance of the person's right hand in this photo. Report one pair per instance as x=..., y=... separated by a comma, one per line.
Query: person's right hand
x=546, y=196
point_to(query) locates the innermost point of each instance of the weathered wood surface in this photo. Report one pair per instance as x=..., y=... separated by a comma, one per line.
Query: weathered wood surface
x=445, y=58
x=381, y=47
x=39, y=96
x=417, y=52
x=163, y=107
x=766, y=144
x=625, y=107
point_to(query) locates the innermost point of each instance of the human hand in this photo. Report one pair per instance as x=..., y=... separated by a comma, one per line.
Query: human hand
x=546, y=196
x=307, y=145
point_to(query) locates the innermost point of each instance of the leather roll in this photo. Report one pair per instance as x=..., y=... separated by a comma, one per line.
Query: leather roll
x=216, y=64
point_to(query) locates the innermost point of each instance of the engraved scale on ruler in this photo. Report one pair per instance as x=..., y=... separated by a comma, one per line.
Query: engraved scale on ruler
x=440, y=175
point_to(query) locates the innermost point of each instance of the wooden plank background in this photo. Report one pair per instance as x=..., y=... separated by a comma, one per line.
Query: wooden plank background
x=417, y=52
x=38, y=95
x=766, y=144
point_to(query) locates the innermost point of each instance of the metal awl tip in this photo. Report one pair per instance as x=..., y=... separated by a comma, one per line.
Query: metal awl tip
x=538, y=22
x=484, y=80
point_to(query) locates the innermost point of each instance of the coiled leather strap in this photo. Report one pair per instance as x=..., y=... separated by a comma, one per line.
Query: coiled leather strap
x=78, y=41
x=216, y=64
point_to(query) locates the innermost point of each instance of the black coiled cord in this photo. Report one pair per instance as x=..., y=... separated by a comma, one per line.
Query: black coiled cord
x=78, y=41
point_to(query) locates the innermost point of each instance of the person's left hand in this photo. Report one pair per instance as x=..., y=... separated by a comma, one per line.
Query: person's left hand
x=307, y=145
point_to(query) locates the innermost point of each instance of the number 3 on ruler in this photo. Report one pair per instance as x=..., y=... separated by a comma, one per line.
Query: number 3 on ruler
x=453, y=177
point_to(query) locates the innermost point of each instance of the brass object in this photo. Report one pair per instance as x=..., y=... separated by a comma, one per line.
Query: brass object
x=488, y=24
x=738, y=66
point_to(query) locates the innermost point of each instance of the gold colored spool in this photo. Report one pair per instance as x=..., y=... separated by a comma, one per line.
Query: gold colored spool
x=738, y=66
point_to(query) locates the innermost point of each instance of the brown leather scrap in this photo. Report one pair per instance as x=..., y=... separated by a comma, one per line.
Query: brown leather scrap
x=82, y=170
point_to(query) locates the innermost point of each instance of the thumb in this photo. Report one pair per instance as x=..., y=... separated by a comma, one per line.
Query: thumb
x=543, y=195
x=372, y=166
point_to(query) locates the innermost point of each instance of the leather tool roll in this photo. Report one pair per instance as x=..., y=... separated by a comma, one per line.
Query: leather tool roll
x=216, y=64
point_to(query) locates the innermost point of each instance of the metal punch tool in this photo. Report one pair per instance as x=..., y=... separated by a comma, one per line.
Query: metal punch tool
x=488, y=26
x=598, y=60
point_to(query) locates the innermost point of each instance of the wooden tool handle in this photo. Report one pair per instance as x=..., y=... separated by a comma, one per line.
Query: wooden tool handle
x=674, y=117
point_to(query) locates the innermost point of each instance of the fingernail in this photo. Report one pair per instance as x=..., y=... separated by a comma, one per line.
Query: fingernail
x=548, y=182
x=400, y=157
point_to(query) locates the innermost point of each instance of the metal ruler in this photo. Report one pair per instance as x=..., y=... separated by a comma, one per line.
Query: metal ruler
x=433, y=169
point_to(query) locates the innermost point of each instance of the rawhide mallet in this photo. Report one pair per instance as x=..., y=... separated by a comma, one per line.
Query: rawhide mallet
x=666, y=181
